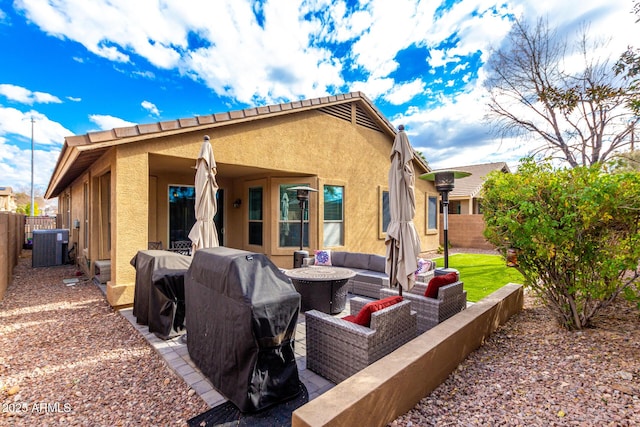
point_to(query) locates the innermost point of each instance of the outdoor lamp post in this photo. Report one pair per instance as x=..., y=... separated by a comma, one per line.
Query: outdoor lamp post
x=302, y=194
x=444, y=181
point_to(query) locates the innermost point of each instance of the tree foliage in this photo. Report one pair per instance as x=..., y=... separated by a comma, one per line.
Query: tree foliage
x=629, y=67
x=578, y=116
x=575, y=232
x=26, y=209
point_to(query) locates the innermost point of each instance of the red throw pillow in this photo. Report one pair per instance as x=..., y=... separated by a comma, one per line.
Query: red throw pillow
x=438, y=281
x=364, y=315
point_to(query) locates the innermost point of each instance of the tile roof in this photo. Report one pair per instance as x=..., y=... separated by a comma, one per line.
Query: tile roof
x=80, y=151
x=472, y=185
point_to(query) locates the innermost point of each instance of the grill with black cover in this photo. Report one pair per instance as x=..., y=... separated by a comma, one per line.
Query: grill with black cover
x=241, y=320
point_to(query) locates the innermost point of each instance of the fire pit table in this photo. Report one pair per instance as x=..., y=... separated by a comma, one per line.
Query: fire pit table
x=321, y=288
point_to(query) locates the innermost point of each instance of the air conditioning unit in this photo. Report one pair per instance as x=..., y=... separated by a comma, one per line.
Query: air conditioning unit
x=50, y=247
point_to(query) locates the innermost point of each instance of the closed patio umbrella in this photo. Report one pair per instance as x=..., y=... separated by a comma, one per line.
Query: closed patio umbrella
x=402, y=241
x=203, y=234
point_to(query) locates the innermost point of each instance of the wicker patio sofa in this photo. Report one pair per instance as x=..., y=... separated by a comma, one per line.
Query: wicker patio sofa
x=337, y=348
x=369, y=268
x=451, y=299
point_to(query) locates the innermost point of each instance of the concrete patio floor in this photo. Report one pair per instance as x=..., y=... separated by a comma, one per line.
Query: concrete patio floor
x=176, y=355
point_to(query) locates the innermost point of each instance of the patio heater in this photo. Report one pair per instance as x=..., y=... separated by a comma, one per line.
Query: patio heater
x=444, y=181
x=302, y=194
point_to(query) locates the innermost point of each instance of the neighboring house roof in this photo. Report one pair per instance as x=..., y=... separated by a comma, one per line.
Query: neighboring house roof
x=472, y=185
x=81, y=151
x=6, y=191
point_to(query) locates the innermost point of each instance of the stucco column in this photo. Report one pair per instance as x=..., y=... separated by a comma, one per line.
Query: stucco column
x=129, y=219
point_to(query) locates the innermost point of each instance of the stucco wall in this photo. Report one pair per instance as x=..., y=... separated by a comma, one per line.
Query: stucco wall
x=129, y=220
x=306, y=146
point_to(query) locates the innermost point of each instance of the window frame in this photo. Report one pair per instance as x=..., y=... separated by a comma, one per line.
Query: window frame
x=436, y=213
x=382, y=233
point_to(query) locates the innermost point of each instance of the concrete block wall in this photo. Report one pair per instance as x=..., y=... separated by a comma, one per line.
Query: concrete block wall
x=465, y=231
x=11, y=241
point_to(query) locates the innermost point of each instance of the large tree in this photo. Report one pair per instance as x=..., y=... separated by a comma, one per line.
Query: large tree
x=569, y=102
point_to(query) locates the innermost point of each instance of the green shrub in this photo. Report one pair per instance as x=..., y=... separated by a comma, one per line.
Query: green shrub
x=575, y=232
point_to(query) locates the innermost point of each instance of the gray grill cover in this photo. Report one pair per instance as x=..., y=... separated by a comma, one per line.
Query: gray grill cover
x=241, y=321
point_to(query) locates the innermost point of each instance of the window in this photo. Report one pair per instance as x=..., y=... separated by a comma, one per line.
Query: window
x=86, y=214
x=289, y=219
x=432, y=212
x=386, y=214
x=182, y=216
x=255, y=216
x=333, y=216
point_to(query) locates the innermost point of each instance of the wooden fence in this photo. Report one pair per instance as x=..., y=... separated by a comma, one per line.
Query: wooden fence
x=12, y=231
x=38, y=223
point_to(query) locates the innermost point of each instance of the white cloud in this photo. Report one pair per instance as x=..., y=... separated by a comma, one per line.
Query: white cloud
x=25, y=96
x=454, y=133
x=287, y=55
x=240, y=58
x=267, y=63
x=151, y=108
x=402, y=93
x=14, y=122
x=15, y=147
x=393, y=27
x=109, y=122
x=374, y=87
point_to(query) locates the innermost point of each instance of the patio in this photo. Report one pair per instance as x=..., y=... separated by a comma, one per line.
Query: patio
x=66, y=358
x=175, y=353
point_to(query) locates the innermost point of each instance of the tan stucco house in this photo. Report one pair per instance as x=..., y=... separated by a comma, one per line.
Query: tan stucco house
x=7, y=200
x=120, y=189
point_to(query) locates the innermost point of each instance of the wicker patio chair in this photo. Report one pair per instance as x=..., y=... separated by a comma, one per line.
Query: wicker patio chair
x=451, y=300
x=337, y=349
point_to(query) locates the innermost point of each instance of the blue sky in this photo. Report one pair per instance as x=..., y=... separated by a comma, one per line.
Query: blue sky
x=77, y=66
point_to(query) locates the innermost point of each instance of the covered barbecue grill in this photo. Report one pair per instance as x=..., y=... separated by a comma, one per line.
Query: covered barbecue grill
x=241, y=321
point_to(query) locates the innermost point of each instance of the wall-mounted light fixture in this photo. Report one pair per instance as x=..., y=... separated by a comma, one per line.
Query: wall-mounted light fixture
x=76, y=224
x=237, y=203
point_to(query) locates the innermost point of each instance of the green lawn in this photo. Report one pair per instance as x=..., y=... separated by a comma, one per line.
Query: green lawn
x=481, y=273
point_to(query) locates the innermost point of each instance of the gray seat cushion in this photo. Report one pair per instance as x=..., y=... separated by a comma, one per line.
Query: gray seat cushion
x=338, y=258
x=374, y=277
x=357, y=260
x=377, y=263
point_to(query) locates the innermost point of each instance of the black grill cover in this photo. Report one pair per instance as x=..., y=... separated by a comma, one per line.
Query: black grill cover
x=166, y=303
x=146, y=264
x=241, y=321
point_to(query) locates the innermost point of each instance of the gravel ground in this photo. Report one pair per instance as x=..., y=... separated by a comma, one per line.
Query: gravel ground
x=66, y=358
x=531, y=372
